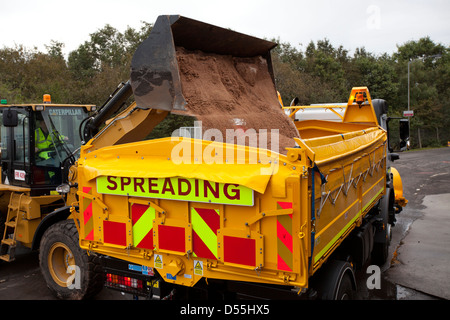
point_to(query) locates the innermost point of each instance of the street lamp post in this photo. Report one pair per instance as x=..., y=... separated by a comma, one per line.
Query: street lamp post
x=409, y=102
x=409, y=90
x=409, y=64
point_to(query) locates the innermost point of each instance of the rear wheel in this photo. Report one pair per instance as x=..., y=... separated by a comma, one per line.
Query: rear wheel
x=67, y=269
x=335, y=281
x=345, y=290
x=382, y=238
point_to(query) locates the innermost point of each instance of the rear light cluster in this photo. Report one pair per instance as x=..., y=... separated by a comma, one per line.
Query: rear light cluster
x=116, y=281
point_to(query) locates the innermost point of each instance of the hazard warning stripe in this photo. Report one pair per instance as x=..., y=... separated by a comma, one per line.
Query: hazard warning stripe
x=87, y=216
x=283, y=235
x=284, y=239
x=200, y=249
x=142, y=217
x=205, y=223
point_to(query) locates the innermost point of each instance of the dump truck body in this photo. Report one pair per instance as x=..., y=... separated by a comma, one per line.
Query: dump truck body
x=259, y=199
x=243, y=209
x=274, y=220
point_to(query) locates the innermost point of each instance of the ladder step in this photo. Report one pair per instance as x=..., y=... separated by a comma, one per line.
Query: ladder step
x=11, y=224
x=9, y=242
x=6, y=257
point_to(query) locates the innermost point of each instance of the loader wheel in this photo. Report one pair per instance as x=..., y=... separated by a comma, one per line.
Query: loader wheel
x=69, y=272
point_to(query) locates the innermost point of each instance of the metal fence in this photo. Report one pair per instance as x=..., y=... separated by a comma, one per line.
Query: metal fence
x=421, y=136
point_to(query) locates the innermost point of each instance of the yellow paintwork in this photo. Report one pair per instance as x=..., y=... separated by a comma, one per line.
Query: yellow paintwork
x=398, y=188
x=351, y=156
x=184, y=157
x=360, y=113
x=18, y=200
x=132, y=124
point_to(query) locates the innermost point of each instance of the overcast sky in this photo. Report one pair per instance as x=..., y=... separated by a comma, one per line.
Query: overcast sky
x=377, y=25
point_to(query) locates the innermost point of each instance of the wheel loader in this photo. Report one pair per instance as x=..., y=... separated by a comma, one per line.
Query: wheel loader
x=38, y=143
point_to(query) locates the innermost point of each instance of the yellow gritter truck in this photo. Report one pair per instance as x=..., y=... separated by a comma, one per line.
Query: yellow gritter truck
x=177, y=215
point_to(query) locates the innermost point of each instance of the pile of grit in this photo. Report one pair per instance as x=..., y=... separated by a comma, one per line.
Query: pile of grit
x=226, y=92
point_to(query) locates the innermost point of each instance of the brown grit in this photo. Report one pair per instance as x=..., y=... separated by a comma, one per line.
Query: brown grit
x=226, y=92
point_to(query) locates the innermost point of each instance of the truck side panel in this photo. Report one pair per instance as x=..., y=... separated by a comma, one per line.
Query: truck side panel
x=350, y=188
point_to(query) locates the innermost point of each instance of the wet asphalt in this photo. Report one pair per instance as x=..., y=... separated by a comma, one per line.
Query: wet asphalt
x=419, y=256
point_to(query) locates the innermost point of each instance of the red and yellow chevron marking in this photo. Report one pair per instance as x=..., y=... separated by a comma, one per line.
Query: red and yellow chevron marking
x=142, y=217
x=284, y=239
x=87, y=216
x=205, y=223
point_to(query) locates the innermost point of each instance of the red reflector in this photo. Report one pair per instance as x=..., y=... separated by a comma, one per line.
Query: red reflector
x=115, y=233
x=171, y=238
x=123, y=282
x=239, y=250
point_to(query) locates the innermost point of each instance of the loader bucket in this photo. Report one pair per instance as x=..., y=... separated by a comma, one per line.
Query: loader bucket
x=155, y=77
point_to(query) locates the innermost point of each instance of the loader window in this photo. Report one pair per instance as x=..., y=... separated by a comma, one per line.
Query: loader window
x=19, y=146
x=66, y=121
x=56, y=138
x=21, y=136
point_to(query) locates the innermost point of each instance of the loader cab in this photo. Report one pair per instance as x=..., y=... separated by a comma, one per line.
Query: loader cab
x=35, y=142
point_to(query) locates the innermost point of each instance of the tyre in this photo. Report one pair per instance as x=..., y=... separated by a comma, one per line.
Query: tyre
x=335, y=281
x=345, y=290
x=69, y=272
x=382, y=238
x=380, y=252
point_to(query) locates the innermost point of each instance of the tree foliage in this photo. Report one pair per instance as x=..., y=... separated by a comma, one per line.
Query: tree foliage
x=323, y=73
x=316, y=73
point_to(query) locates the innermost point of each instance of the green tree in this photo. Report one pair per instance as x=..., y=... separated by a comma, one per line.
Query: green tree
x=297, y=75
x=376, y=73
x=27, y=74
x=429, y=65
x=101, y=63
x=54, y=49
x=327, y=63
x=107, y=48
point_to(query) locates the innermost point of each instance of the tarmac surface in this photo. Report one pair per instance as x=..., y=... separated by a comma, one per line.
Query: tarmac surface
x=426, y=247
x=419, y=264
x=22, y=280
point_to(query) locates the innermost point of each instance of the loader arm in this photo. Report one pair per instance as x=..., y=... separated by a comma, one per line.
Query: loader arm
x=130, y=125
